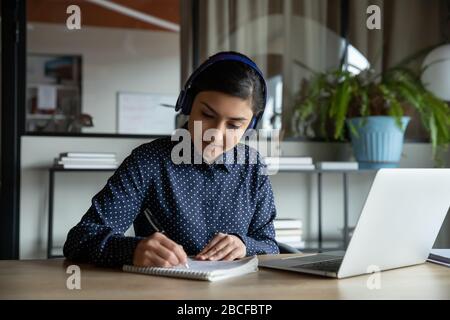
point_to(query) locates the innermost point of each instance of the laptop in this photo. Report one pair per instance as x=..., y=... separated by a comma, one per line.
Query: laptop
x=398, y=225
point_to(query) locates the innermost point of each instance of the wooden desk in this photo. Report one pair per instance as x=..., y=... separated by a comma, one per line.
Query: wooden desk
x=46, y=279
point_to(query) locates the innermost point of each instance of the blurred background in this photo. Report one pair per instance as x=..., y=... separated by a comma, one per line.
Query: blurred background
x=103, y=76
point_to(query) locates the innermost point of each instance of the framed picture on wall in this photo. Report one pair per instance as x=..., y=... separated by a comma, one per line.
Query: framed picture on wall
x=53, y=96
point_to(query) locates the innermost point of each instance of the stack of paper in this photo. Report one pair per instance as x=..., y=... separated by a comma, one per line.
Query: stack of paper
x=289, y=231
x=289, y=163
x=440, y=256
x=86, y=160
x=337, y=165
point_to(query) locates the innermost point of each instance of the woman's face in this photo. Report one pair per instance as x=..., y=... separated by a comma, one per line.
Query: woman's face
x=223, y=118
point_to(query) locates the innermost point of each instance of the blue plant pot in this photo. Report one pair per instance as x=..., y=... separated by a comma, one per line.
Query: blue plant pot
x=378, y=143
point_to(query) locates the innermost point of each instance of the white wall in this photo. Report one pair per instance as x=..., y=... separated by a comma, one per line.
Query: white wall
x=113, y=60
x=295, y=194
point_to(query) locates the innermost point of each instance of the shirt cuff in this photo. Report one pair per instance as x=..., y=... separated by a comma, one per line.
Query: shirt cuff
x=255, y=247
x=119, y=250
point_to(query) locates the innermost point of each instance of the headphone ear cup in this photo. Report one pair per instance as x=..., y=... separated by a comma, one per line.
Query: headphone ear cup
x=187, y=103
x=184, y=102
x=180, y=101
x=252, y=123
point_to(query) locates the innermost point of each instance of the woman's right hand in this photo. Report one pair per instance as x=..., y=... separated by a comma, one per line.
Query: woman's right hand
x=158, y=250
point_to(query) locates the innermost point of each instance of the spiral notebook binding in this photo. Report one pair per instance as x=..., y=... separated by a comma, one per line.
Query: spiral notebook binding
x=167, y=272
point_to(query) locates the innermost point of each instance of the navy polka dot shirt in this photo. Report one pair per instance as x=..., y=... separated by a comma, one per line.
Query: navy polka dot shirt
x=191, y=202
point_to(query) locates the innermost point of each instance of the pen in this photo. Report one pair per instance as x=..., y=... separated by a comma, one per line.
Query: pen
x=155, y=225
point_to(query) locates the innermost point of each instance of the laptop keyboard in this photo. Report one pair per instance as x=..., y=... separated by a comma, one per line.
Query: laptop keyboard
x=329, y=265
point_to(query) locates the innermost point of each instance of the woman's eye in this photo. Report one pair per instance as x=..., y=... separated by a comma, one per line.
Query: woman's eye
x=232, y=126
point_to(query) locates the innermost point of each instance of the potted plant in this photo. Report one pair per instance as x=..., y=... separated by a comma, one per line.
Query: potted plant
x=369, y=109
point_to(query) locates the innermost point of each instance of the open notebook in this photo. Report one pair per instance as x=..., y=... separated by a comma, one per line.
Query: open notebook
x=202, y=270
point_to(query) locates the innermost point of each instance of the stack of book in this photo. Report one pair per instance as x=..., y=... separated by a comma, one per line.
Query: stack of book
x=337, y=165
x=86, y=160
x=289, y=163
x=440, y=256
x=289, y=231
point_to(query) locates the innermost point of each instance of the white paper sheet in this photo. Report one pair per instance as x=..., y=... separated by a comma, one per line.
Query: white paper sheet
x=140, y=113
x=46, y=97
x=208, y=266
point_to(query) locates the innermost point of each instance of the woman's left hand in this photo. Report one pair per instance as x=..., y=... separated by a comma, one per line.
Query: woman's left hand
x=223, y=247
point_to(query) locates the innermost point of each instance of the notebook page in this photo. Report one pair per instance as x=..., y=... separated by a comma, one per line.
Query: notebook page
x=210, y=266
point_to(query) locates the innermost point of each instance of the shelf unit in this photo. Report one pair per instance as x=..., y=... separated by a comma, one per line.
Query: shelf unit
x=53, y=252
x=310, y=244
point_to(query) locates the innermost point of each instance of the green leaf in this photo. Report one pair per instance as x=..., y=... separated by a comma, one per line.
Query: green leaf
x=433, y=133
x=395, y=109
x=353, y=129
x=364, y=102
x=339, y=107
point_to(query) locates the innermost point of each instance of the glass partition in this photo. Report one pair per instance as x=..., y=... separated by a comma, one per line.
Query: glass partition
x=292, y=40
x=102, y=67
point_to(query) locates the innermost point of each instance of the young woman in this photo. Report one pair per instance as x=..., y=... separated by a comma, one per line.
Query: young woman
x=213, y=210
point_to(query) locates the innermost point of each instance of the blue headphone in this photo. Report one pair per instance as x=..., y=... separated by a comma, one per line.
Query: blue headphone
x=186, y=97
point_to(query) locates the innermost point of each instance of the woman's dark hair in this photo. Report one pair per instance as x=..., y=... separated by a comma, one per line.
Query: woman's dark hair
x=233, y=78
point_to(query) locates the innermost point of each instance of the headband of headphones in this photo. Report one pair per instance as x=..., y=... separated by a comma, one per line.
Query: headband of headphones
x=185, y=99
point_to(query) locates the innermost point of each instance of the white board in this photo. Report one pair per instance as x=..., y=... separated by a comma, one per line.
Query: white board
x=144, y=113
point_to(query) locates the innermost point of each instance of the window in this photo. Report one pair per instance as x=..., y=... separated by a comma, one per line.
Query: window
x=292, y=39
